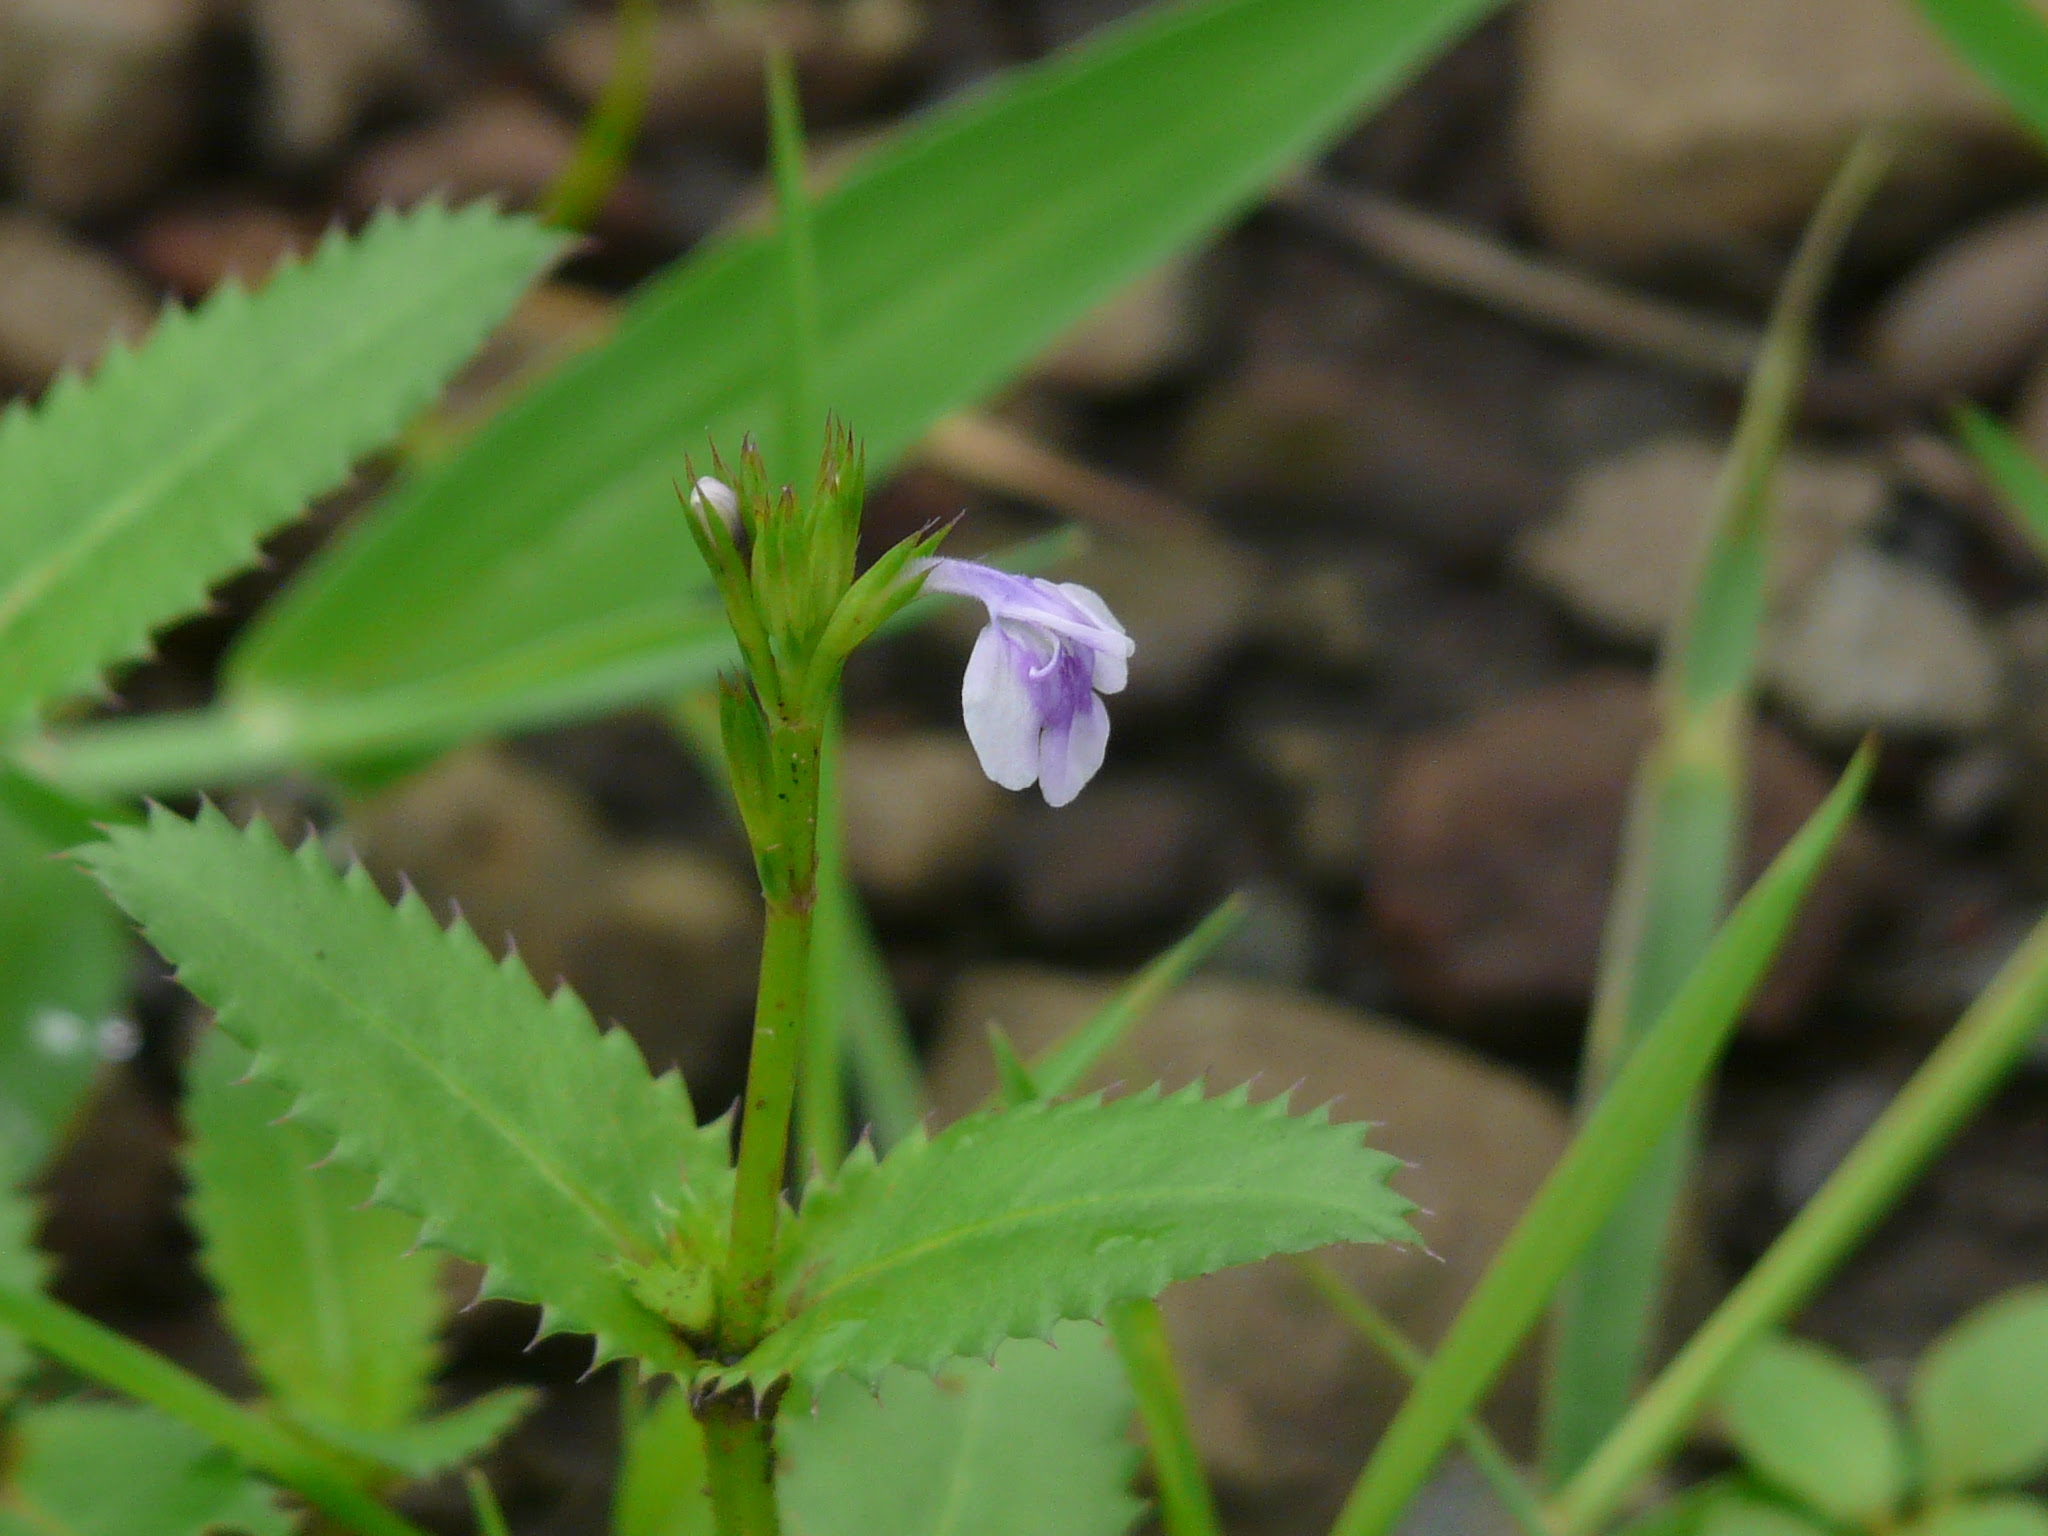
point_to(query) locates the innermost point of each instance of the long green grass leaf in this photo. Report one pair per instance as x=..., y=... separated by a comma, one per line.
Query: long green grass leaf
x=521, y=1136
x=551, y=544
x=338, y=1322
x=1645, y=1100
x=2005, y=42
x=1989, y=1041
x=1679, y=846
x=129, y=495
x=1009, y=1221
x=2017, y=476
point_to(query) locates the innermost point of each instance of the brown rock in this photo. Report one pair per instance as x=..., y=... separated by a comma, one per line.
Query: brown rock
x=708, y=59
x=61, y=302
x=670, y=947
x=326, y=62
x=194, y=250
x=97, y=96
x=1496, y=845
x=1372, y=447
x=922, y=819
x=1285, y=1398
x=505, y=145
x=1660, y=129
x=1967, y=319
x=519, y=853
x=1128, y=853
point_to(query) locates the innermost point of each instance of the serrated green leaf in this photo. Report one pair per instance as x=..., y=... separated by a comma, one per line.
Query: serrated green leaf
x=1979, y=1396
x=337, y=1319
x=105, y=1469
x=1010, y=1221
x=521, y=1136
x=63, y=969
x=429, y=1447
x=2013, y=1515
x=130, y=495
x=1810, y=1423
x=1036, y=1445
x=551, y=546
x=662, y=1490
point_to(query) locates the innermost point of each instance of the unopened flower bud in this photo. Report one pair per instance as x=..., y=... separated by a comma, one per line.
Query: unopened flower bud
x=713, y=495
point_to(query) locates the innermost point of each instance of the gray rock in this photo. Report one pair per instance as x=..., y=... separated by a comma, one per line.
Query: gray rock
x=1967, y=319
x=97, y=96
x=1881, y=644
x=1621, y=554
x=1322, y=617
x=922, y=819
x=1658, y=129
x=1826, y=1132
x=62, y=303
x=1146, y=335
x=1284, y=1397
x=1330, y=776
x=326, y=62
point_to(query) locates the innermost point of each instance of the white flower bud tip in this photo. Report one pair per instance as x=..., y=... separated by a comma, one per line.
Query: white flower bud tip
x=716, y=496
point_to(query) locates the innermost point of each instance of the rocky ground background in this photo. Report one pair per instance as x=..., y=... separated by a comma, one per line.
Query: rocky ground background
x=1395, y=557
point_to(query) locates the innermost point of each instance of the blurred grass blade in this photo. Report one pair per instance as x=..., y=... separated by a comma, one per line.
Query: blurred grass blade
x=2017, y=476
x=1186, y=1505
x=605, y=146
x=1381, y=1332
x=1647, y=1097
x=1987, y=1043
x=1680, y=847
x=106, y=1357
x=802, y=329
x=550, y=545
x=2005, y=42
x=1063, y=1068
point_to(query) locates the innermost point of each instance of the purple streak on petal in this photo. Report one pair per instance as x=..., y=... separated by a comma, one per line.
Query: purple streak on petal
x=1070, y=755
x=1003, y=720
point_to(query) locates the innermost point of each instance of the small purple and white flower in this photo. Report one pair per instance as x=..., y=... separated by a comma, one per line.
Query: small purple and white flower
x=1032, y=694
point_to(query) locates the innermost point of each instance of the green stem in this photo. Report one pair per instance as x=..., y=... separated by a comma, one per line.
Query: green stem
x=1186, y=1506
x=740, y=1451
x=483, y=1503
x=821, y=1130
x=1381, y=1332
x=1980, y=1051
x=107, y=1357
x=764, y=1134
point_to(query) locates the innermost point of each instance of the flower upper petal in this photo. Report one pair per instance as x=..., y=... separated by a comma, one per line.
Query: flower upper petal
x=1112, y=664
x=1070, y=755
x=1003, y=721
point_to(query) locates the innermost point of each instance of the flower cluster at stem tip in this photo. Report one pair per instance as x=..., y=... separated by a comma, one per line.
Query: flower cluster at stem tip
x=1032, y=695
